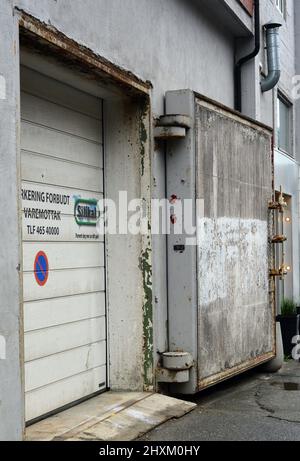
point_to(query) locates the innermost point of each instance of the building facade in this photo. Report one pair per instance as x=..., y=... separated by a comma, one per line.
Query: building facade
x=82, y=79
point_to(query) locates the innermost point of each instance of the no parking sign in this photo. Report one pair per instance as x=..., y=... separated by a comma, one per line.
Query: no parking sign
x=41, y=268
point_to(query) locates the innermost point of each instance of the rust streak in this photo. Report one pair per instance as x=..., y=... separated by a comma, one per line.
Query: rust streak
x=173, y=199
x=173, y=219
x=223, y=375
x=65, y=45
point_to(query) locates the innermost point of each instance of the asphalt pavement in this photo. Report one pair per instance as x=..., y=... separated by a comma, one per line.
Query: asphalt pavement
x=252, y=407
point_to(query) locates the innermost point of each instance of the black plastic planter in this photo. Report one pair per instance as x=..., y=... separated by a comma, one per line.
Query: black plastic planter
x=289, y=328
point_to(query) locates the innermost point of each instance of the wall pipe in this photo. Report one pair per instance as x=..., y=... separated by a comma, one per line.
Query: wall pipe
x=242, y=61
x=272, y=39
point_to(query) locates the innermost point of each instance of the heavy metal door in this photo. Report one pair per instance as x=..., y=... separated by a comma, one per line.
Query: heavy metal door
x=220, y=308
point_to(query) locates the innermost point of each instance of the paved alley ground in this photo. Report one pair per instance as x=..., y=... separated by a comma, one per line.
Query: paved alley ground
x=254, y=406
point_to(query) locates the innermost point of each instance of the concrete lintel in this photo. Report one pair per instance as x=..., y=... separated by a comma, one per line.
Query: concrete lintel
x=47, y=37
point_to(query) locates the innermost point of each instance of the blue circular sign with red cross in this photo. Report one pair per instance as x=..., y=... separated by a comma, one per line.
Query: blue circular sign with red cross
x=41, y=268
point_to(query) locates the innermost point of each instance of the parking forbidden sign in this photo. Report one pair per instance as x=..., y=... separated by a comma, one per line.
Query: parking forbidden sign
x=41, y=268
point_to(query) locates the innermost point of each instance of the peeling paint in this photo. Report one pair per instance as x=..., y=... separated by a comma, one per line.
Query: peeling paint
x=173, y=199
x=2, y=87
x=143, y=137
x=233, y=255
x=2, y=348
x=146, y=254
x=146, y=268
x=173, y=219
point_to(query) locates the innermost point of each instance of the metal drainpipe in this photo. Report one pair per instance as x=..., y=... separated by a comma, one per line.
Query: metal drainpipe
x=242, y=61
x=272, y=38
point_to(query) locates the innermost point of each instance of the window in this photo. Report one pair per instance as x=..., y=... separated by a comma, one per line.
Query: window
x=281, y=5
x=284, y=123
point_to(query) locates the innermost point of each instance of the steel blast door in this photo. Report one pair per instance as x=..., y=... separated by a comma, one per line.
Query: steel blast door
x=234, y=186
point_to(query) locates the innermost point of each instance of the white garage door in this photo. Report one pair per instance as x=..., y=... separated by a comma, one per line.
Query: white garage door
x=63, y=256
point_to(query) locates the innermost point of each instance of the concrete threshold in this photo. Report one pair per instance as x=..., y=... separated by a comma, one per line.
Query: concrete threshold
x=121, y=416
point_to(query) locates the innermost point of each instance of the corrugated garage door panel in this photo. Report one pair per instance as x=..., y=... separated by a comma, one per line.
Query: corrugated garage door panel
x=65, y=389
x=53, y=90
x=51, y=340
x=52, y=312
x=47, y=170
x=64, y=319
x=64, y=283
x=45, y=141
x=42, y=372
x=56, y=117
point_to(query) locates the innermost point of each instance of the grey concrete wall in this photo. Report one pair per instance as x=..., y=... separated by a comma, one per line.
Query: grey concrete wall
x=11, y=407
x=123, y=252
x=170, y=43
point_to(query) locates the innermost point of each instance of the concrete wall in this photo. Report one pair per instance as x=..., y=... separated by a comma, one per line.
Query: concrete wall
x=11, y=406
x=156, y=40
x=125, y=254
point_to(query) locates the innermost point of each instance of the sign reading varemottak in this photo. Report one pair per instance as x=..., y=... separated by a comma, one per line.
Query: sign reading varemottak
x=52, y=213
